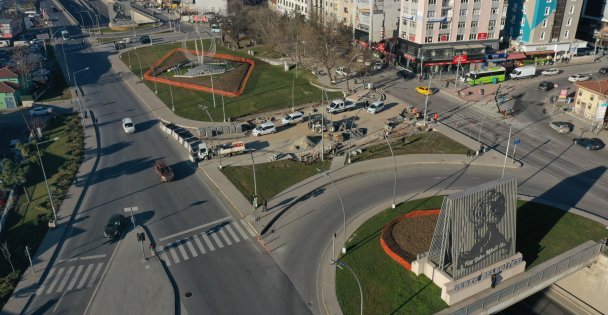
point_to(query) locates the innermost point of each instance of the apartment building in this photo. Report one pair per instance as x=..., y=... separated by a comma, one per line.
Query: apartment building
x=544, y=27
x=304, y=7
x=439, y=35
x=594, y=16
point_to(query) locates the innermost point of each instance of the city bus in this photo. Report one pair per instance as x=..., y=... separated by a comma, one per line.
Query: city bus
x=488, y=75
x=65, y=35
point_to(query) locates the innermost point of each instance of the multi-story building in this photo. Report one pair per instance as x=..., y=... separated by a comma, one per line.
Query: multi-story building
x=594, y=16
x=544, y=27
x=304, y=7
x=442, y=34
x=592, y=101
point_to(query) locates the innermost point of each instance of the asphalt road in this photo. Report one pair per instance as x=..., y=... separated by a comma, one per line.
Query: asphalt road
x=229, y=275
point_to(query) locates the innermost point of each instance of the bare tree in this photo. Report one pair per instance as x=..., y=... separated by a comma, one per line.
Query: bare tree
x=6, y=253
x=25, y=63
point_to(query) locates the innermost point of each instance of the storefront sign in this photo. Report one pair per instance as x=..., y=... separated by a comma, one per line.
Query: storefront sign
x=482, y=35
x=443, y=38
x=460, y=59
x=601, y=110
x=497, y=56
x=541, y=48
x=563, y=93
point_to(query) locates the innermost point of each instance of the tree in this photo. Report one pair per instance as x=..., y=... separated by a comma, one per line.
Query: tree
x=13, y=174
x=6, y=253
x=25, y=63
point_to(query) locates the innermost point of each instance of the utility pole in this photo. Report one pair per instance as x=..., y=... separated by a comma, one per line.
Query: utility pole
x=29, y=257
x=506, y=153
x=426, y=101
x=255, y=187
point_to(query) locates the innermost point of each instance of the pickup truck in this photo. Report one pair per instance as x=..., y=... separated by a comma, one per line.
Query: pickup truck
x=233, y=148
x=199, y=151
x=164, y=172
x=338, y=106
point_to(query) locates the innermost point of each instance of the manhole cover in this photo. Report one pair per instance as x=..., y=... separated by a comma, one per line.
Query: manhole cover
x=188, y=294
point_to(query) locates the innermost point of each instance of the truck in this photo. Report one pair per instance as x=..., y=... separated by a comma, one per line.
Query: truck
x=523, y=72
x=340, y=105
x=65, y=35
x=229, y=149
x=199, y=151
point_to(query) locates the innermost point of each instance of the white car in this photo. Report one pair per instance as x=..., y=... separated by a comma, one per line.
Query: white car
x=128, y=126
x=264, y=129
x=293, y=118
x=375, y=107
x=552, y=71
x=578, y=78
x=40, y=111
x=215, y=28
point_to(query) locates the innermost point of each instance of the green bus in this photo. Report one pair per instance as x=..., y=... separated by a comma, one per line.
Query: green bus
x=488, y=75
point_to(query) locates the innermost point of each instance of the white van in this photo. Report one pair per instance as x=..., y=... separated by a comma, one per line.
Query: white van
x=5, y=43
x=375, y=107
x=264, y=129
x=523, y=72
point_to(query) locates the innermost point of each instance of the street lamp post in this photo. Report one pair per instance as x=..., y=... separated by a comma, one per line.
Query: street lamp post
x=339, y=263
x=78, y=94
x=506, y=153
x=212, y=135
x=341, y=204
x=350, y=135
x=141, y=70
x=351, y=60
x=223, y=106
x=170, y=91
x=395, y=168
x=426, y=101
x=48, y=189
x=255, y=187
x=212, y=91
x=154, y=75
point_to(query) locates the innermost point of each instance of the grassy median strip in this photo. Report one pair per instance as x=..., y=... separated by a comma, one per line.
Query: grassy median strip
x=272, y=178
x=421, y=143
x=543, y=232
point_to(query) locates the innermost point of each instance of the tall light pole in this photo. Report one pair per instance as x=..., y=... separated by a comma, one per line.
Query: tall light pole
x=153, y=75
x=426, y=101
x=255, y=187
x=170, y=91
x=212, y=91
x=339, y=263
x=48, y=189
x=141, y=70
x=506, y=153
x=78, y=94
x=395, y=168
x=223, y=106
x=350, y=135
x=341, y=204
x=351, y=60
x=212, y=135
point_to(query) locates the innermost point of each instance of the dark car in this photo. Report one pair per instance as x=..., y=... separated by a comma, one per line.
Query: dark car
x=604, y=70
x=589, y=143
x=545, y=86
x=145, y=39
x=115, y=226
x=164, y=172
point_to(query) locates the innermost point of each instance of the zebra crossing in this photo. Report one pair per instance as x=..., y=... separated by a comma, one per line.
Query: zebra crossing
x=65, y=277
x=199, y=244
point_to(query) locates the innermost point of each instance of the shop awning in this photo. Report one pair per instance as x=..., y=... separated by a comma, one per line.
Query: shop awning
x=460, y=47
x=477, y=46
x=539, y=52
x=514, y=56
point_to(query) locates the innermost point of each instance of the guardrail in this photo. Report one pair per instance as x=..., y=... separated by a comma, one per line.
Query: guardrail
x=7, y=208
x=536, y=278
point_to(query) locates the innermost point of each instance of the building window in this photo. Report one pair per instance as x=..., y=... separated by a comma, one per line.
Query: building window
x=547, y=10
x=476, y=0
x=429, y=26
x=428, y=39
x=473, y=36
x=545, y=23
x=445, y=12
x=569, y=22
x=571, y=9
x=463, y=12
x=502, y=22
x=491, y=25
x=542, y=35
x=460, y=24
x=580, y=93
x=459, y=37
x=444, y=26
x=464, y=1
x=591, y=97
x=494, y=11
x=475, y=11
x=413, y=24
x=430, y=14
x=474, y=24
x=566, y=34
x=432, y=1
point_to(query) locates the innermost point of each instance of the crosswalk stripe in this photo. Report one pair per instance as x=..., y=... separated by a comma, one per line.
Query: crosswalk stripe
x=252, y=233
x=180, y=246
x=94, y=276
x=76, y=274
x=217, y=240
x=238, y=228
x=191, y=247
x=162, y=253
x=173, y=254
x=64, y=281
x=84, y=276
x=208, y=241
x=197, y=240
x=236, y=238
x=41, y=288
x=226, y=238
x=54, y=283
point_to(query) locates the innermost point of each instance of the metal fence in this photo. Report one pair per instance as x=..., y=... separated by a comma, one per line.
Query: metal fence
x=581, y=258
x=7, y=207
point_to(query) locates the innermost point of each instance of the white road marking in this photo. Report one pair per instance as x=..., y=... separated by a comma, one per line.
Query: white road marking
x=73, y=282
x=162, y=253
x=226, y=238
x=197, y=240
x=208, y=241
x=92, y=257
x=41, y=288
x=180, y=246
x=94, y=276
x=217, y=240
x=236, y=238
x=173, y=254
x=54, y=283
x=191, y=247
x=162, y=239
x=238, y=227
x=86, y=310
x=85, y=276
x=64, y=281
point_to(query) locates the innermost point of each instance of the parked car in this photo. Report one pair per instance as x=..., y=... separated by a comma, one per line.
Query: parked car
x=145, y=39
x=264, y=129
x=293, y=118
x=523, y=72
x=343, y=71
x=578, y=78
x=128, y=126
x=115, y=226
x=379, y=65
x=375, y=107
x=545, y=85
x=37, y=41
x=164, y=172
x=424, y=90
x=589, y=143
x=215, y=28
x=603, y=70
x=40, y=111
x=560, y=126
x=552, y=71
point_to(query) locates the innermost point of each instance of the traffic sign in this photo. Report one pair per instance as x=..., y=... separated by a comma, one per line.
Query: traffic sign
x=516, y=141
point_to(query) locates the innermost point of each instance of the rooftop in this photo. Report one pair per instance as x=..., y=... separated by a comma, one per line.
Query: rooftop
x=597, y=86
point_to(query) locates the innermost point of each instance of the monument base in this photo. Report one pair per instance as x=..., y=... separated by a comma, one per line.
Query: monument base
x=454, y=291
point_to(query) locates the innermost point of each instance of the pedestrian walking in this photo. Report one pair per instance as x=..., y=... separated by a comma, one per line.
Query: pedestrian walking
x=436, y=117
x=469, y=153
x=482, y=149
x=152, y=249
x=265, y=205
x=494, y=280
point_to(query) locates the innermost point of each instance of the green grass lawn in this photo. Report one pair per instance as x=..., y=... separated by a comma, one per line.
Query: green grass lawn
x=268, y=88
x=422, y=143
x=272, y=178
x=542, y=233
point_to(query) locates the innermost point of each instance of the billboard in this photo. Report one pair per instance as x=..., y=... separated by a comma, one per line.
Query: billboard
x=476, y=228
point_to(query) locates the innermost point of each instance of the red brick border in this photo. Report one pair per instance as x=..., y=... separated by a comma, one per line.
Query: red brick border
x=152, y=78
x=390, y=252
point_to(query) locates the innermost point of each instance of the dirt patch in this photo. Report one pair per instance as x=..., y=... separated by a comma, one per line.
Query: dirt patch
x=408, y=237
